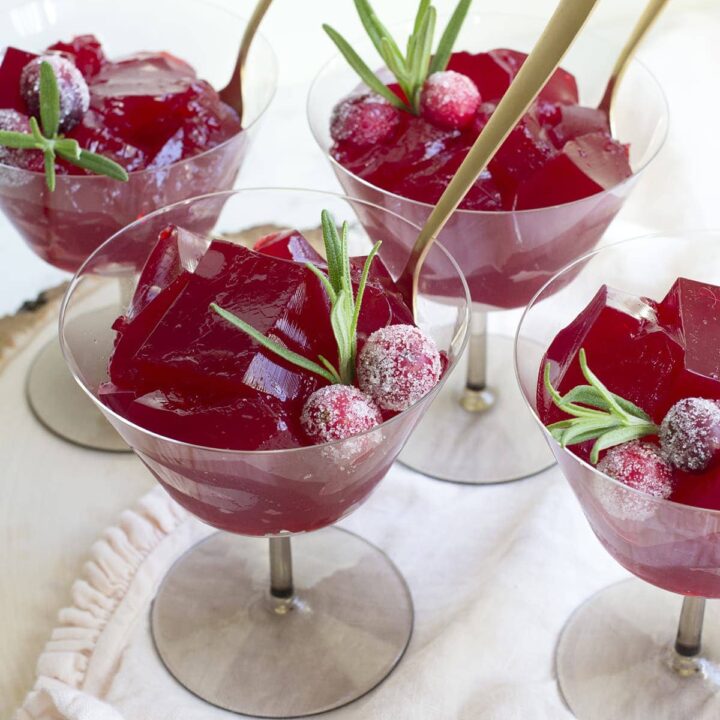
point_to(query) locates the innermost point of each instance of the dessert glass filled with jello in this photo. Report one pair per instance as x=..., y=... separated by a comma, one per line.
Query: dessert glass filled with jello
x=268, y=379
x=132, y=90
x=546, y=198
x=618, y=360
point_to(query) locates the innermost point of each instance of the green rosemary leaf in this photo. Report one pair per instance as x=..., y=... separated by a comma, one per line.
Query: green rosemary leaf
x=50, y=169
x=331, y=368
x=395, y=62
x=97, y=164
x=283, y=352
x=376, y=31
x=340, y=315
x=49, y=100
x=23, y=141
x=324, y=280
x=361, y=288
x=365, y=73
x=35, y=130
x=619, y=436
x=422, y=10
x=589, y=395
x=588, y=428
x=345, y=266
x=332, y=250
x=68, y=147
x=590, y=376
x=449, y=36
x=423, y=54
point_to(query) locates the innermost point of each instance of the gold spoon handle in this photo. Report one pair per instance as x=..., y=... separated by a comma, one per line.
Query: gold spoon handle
x=232, y=92
x=645, y=22
x=560, y=32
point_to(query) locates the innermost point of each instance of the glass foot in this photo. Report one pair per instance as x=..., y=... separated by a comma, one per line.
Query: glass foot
x=499, y=443
x=60, y=404
x=224, y=638
x=615, y=658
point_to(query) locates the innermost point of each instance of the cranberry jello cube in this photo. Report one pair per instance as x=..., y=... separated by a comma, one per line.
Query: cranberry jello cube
x=626, y=348
x=193, y=347
x=85, y=51
x=289, y=245
x=690, y=313
x=572, y=121
x=13, y=62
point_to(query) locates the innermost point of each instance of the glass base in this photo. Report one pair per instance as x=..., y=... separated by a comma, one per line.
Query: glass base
x=615, y=658
x=59, y=403
x=224, y=638
x=497, y=444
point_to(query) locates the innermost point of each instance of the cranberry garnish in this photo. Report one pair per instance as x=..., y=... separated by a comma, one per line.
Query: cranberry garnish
x=363, y=120
x=14, y=121
x=449, y=99
x=690, y=434
x=336, y=412
x=74, y=93
x=639, y=465
x=398, y=365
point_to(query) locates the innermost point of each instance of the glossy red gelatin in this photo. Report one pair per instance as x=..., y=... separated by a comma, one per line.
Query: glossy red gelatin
x=148, y=112
x=653, y=354
x=181, y=371
x=559, y=152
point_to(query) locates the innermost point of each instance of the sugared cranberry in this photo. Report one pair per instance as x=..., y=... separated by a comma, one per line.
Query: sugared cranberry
x=639, y=465
x=336, y=412
x=449, y=100
x=363, y=120
x=74, y=93
x=690, y=434
x=13, y=121
x=397, y=366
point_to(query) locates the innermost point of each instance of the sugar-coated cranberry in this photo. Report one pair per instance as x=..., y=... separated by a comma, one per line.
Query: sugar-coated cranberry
x=73, y=90
x=690, y=434
x=397, y=366
x=639, y=465
x=13, y=121
x=363, y=120
x=336, y=412
x=449, y=99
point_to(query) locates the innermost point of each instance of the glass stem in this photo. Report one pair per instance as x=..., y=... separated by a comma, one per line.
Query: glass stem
x=281, y=574
x=476, y=397
x=689, y=634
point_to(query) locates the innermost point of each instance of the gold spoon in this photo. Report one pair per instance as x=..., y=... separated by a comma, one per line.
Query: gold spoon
x=231, y=94
x=645, y=22
x=559, y=34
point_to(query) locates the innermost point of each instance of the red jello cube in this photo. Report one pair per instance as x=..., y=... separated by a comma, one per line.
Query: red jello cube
x=523, y=153
x=195, y=348
x=13, y=62
x=585, y=166
x=572, y=121
x=254, y=422
x=626, y=348
x=86, y=51
x=289, y=245
x=690, y=313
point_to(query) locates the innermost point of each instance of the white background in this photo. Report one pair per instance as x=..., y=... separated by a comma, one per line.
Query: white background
x=680, y=190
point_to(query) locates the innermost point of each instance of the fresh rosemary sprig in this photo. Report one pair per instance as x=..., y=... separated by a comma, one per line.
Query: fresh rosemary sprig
x=344, y=308
x=51, y=143
x=412, y=68
x=598, y=414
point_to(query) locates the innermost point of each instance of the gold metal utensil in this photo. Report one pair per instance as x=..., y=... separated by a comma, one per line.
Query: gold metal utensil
x=645, y=22
x=231, y=94
x=559, y=34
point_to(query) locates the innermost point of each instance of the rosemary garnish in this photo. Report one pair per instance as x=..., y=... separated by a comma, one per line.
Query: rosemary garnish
x=411, y=69
x=344, y=308
x=598, y=414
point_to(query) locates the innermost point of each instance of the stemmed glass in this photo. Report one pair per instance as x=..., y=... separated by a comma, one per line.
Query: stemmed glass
x=274, y=644
x=479, y=431
x=616, y=656
x=65, y=226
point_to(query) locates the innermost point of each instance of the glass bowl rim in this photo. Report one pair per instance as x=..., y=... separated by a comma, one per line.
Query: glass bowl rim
x=676, y=235
x=77, y=277
x=635, y=61
x=13, y=170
